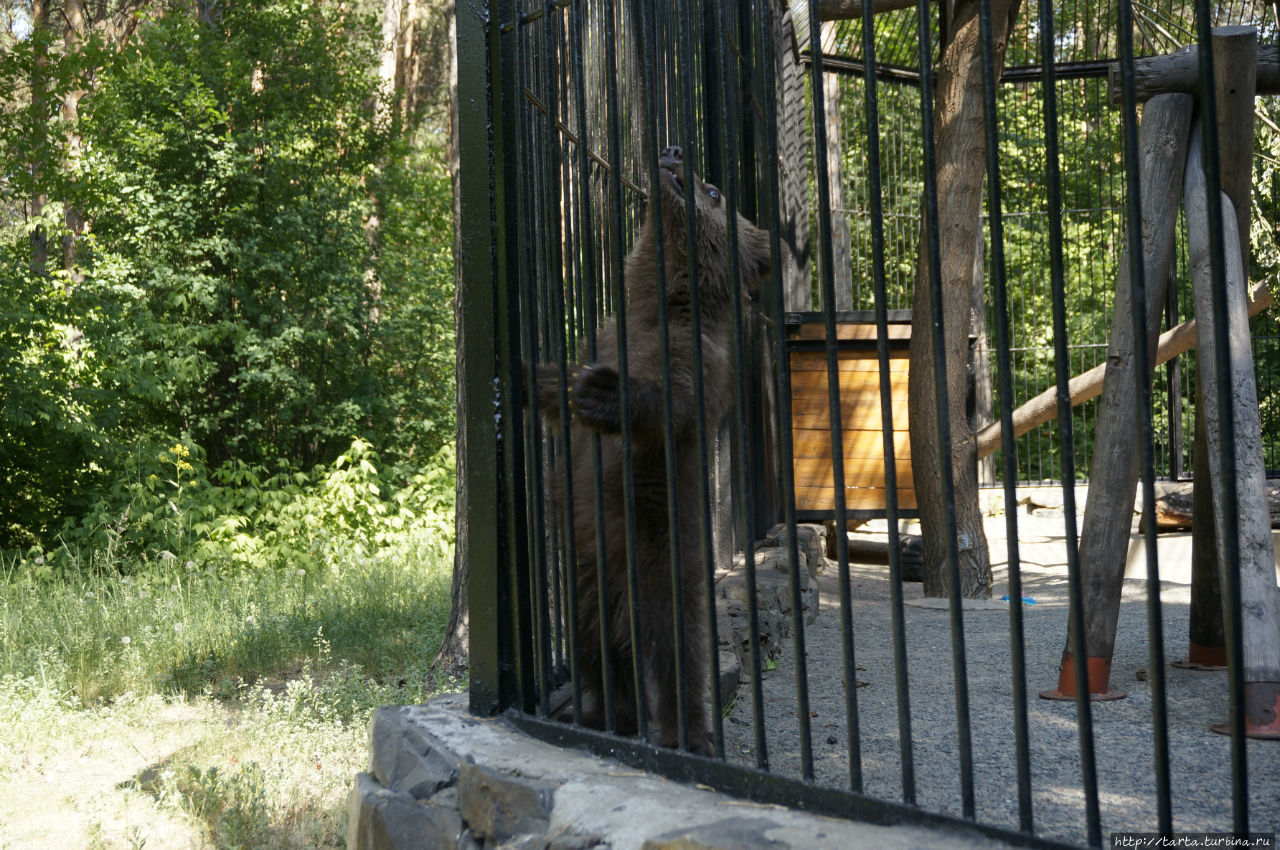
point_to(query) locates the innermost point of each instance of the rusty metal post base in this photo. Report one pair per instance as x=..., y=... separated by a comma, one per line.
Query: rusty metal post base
x=1202, y=658
x=1261, y=712
x=1099, y=675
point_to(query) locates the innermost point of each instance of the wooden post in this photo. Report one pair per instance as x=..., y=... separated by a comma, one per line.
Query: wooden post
x=1207, y=648
x=1108, y=516
x=842, y=257
x=1260, y=609
x=1206, y=637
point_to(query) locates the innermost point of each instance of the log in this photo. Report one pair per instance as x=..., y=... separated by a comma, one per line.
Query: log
x=1180, y=72
x=1104, y=537
x=1233, y=87
x=1260, y=609
x=841, y=251
x=1206, y=632
x=1175, y=507
x=844, y=10
x=835, y=10
x=1088, y=385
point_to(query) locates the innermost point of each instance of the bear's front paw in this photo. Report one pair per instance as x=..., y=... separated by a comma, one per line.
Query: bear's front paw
x=594, y=398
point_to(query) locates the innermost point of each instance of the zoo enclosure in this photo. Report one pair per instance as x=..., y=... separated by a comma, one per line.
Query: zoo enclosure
x=565, y=107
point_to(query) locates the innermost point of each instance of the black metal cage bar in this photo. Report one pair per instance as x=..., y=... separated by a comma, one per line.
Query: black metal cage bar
x=646, y=192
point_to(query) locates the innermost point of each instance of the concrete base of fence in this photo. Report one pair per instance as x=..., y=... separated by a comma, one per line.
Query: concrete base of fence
x=439, y=777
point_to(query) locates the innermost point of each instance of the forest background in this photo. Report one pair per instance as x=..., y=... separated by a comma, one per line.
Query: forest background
x=226, y=409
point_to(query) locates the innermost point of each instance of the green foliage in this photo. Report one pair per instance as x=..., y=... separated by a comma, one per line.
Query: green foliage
x=234, y=805
x=171, y=507
x=1093, y=209
x=119, y=618
x=267, y=273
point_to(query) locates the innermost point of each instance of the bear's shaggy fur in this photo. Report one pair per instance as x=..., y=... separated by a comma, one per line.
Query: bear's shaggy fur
x=594, y=401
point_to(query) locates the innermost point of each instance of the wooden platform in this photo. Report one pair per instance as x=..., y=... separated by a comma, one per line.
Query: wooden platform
x=862, y=437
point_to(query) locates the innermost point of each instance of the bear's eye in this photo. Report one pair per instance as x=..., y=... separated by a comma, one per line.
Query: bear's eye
x=713, y=193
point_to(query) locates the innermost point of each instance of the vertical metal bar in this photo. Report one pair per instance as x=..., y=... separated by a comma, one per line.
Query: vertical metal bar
x=624, y=391
x=1229, y=536
x=479, y=274
x=1142, y=368
x=649, y=144
x=875, y=193
x=1017, y=647
x=1088, y=767
x=524, y=334
x=548, y=221
x=561, y=327
x=590, y=311
x=726, y=86
x=941, y=401
x=510, y=385
x=1173, y=384
x=767, y=94
x=828, y=289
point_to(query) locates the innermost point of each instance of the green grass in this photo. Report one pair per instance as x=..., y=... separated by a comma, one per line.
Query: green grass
x=222, y=710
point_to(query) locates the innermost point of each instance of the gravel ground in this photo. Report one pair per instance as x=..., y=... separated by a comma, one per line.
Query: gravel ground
x=1199, y=758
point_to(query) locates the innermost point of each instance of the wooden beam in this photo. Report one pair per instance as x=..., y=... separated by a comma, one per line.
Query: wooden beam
x=1180, y=72
x=1259, y=612
x=1088, y=385
x=835, y=10
x=845, y=10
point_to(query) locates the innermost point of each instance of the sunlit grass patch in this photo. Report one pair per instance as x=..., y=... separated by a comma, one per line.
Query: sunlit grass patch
x=171, y=626
x=168, y=703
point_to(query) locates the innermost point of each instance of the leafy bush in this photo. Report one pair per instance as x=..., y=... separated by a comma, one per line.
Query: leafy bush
x=267, y=274
x=172, y=508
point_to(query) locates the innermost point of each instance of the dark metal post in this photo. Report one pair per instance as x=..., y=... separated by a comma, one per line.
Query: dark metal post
x=492, y=686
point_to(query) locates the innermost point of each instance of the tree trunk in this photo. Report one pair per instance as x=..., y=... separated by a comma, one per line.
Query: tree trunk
x=982, y=403
x=389, y=64
x=1260, y=604
x=793, y=170
x=74, y=12
x=406, y=67
x=960, y=149
x=39, y=146
x=209, y=12
x=841, y=264
x=452, y=655
x=1108, y=515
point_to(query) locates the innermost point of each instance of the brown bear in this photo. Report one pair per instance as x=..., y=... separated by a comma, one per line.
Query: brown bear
x=594, y=402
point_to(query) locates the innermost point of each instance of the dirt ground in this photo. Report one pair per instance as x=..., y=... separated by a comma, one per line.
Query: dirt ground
x=81, y=786
x=1199, y=758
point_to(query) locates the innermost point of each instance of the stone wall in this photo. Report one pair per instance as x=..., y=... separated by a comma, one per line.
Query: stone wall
x=441, y=778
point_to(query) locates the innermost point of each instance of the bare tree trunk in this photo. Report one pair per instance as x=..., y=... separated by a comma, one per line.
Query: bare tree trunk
x=74, y=34
x=389, y=63
x=961, y=165
x=1108, y=514
x=209, y=12
x=452, y=655
x=982, y=402
x=793, y=174
x=39, y=147
x=842, y=266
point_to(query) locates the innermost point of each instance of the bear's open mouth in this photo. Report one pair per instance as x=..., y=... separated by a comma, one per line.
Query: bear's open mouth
x=672, y=175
